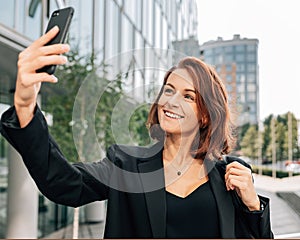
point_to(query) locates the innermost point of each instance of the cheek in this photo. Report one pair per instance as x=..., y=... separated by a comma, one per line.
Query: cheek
x=162, y=100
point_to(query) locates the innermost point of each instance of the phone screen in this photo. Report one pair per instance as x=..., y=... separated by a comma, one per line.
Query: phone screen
x=61, y=18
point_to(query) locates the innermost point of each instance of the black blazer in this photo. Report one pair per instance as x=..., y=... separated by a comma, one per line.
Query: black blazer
x=136, y=206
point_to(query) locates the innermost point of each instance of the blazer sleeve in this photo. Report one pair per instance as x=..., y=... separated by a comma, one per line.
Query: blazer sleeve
x=250, y=224
x=64, y=183
x=253, y=224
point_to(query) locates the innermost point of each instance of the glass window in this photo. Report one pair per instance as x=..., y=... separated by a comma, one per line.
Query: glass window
x=148, y=21
x=165, y=35
x=229, y=87
x=139, y=41
x=174, y=18
x=240, y=57
x=30, y=26
x=251, y=48
x=228, y=78
x=240, y=78
x=251, y=57
x=130, y=8
x=158, y=27
x=99, y=34
x=7, y=13
x=228, y=49
x=252, y=96
x=228, y=58
x=251, y=67
x=208, y=60
x=127, y=33
x=218, y=50
x=112, y=36
x=240, y=48
x=208, y=52
x=252, y=107
x=251, y=87
x=228, y=67
x=119, y=2
x=139, y=12
x=251, y=78
x=179, y=30
x=241, y=97
x=240, y=67
x=219, y=59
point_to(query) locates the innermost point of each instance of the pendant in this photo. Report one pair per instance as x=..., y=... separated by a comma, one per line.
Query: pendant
x=178, y=173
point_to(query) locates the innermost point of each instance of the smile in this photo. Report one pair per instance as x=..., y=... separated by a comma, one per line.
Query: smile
x=172, y=115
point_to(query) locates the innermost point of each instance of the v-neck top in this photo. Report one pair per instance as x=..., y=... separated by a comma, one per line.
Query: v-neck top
x=194, y=216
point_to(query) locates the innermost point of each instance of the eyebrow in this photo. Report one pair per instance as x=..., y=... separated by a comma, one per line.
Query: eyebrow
x=187, y=89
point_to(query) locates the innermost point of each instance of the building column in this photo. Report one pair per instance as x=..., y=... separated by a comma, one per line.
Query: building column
x=22, y=199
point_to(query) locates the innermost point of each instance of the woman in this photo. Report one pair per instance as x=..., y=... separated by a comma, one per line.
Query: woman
x=178, y=188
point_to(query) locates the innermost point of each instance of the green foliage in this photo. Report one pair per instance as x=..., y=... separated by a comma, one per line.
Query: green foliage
x=83, y=104
x=249, y=138
x=137, y=125
x=249, y=143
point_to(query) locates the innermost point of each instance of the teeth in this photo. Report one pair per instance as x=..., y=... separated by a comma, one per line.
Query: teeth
x=172, y=115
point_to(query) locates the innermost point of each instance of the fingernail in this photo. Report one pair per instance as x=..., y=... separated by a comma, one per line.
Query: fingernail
x=54, y=78
x=65, y=47
x=55, y=28
x=65, y=59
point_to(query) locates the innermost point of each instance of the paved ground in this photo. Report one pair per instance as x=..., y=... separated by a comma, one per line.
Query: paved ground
x=284, y=220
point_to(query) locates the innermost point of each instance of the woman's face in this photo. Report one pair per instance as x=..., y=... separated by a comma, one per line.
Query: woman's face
x=177, y=108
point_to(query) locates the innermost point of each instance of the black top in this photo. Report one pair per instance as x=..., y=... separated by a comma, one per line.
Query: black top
x=194, y=216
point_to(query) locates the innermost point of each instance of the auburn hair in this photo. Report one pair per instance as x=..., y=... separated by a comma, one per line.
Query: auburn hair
x=216, y=130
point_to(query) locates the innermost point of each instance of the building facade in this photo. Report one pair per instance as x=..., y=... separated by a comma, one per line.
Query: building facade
x=236, y=60
x=186, y=47
x=128, y=34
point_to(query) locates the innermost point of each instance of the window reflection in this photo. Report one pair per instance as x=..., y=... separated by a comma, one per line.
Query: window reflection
x=7, y=13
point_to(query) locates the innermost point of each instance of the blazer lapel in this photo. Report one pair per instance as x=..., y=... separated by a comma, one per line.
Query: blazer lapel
x=152, y=177
x=224, y=203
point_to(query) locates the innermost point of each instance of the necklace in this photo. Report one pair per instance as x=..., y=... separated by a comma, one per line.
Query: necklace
x=185, y=167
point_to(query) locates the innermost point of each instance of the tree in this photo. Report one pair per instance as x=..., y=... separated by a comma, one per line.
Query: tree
x=249, y=143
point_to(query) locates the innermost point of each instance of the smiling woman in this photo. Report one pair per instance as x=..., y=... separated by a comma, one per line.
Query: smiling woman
x=179, y=187
x=193, y=94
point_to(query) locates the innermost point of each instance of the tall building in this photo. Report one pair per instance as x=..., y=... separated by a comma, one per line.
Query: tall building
x=128, y=34
x=186, y=47
x=236, y=60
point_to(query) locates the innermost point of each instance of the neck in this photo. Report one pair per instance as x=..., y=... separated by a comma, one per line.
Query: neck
x=178, y=149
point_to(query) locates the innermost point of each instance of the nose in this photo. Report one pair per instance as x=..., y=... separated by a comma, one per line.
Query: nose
x=174, y=100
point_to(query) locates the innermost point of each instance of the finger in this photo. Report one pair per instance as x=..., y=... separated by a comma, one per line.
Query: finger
x=234, y=182
x=44, y=39
x=38, y=78
x=236, y=165
x=54, y=49
x=235, y=171
x=48, y=60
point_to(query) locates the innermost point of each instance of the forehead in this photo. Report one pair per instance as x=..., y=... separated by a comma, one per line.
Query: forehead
x=181, y=78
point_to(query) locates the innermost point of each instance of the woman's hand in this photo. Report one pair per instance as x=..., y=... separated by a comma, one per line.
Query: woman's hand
x=29, y=82
x=239, y=178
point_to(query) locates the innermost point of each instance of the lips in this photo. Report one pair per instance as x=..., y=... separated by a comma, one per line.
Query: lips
x=172, y=115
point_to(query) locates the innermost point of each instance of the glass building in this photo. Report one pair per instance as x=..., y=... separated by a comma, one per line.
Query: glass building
x=236, y=60
x=129, y=34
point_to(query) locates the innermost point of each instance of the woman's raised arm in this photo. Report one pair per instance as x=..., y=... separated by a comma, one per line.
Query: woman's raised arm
x=28, y=80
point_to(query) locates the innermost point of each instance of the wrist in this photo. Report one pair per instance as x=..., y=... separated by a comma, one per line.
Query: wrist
x=255, y=206
x=25, y=113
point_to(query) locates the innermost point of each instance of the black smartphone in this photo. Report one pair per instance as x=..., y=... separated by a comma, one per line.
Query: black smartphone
x=61, y=18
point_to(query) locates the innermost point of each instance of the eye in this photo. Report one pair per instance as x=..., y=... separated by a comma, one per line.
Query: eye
x=168, y=90
x=189, y=97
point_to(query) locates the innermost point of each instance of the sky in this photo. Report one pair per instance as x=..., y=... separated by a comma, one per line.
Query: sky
x=276, y=24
